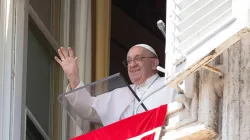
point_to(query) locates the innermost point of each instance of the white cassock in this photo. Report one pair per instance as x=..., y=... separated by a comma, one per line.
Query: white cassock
x=120, y=103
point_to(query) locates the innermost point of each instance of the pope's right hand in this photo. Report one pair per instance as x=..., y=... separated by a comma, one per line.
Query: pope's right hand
x=69, y=65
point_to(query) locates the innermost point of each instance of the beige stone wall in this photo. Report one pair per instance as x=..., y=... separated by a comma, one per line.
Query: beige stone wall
x=234, y=122
x=220, y=106
x=231, y=108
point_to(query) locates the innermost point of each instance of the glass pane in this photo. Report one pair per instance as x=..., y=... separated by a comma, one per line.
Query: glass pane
x=43, y=10
x=32, y=133
x=38, y=81
x=75, y=111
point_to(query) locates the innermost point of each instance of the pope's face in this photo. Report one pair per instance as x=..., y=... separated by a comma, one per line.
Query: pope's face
x=140, y=65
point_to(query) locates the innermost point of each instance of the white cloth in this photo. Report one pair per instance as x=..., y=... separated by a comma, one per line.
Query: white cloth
x=164, y=96
x=120, y=103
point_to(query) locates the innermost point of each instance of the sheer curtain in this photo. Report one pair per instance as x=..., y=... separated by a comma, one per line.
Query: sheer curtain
x=83, y=50
x=91, y=24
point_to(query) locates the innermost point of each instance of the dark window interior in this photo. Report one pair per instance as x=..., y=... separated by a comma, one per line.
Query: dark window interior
x=134, y=22
x=32, y=132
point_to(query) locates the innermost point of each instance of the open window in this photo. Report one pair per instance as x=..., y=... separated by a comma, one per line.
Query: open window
x=199, y=30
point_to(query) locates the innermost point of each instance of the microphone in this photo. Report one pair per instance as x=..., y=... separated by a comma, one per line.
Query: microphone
x=162, y=27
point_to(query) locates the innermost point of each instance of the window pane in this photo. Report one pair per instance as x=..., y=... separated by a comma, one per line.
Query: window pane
x=32, y=132
x=38, y=81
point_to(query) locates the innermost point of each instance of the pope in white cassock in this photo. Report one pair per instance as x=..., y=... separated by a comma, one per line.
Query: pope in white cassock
x=118, y=104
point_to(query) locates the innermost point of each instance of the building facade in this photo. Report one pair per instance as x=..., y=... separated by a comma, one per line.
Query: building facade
x=207, y=52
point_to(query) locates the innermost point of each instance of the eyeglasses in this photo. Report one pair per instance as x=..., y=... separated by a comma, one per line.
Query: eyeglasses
x=136, y=60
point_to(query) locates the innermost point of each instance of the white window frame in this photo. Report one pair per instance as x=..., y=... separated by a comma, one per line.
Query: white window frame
x=13, y=63
x=36, y=123
x=13, y=57
x=55, y=45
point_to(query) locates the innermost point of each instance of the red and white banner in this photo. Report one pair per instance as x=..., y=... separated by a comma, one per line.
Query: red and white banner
x=143, y=126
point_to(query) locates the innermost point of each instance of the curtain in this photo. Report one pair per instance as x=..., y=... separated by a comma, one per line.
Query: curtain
x=101, y=38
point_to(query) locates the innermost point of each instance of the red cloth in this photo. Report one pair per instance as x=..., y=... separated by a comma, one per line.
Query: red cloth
x=129, y=127
x=149, y=137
